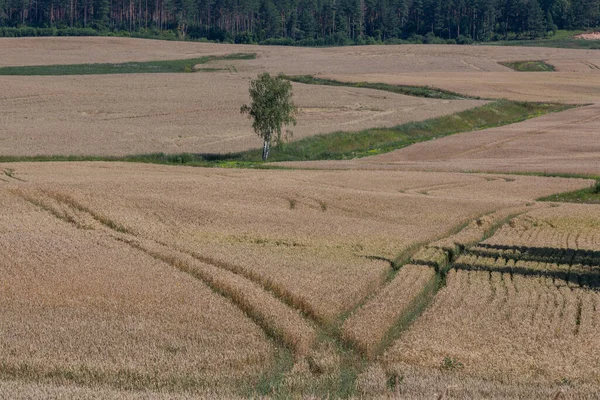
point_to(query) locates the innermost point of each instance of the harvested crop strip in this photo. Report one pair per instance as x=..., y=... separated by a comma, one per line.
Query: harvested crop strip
x=397, y=304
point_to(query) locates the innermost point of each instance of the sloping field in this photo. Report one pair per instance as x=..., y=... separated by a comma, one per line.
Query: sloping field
x=521, y=307
x=130, y=256
x=80, y=307
x=396, y=273
x=472, y=70
x=572, y=87
x=562, y=143
x=175, y=113
x=566, y=142
x=299, y=233
x=294, y=60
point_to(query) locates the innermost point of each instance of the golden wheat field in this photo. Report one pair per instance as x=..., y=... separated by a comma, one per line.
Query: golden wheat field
x=563, y=143
x=175, y=113
x=125, y=114
x=430, y=272
x=292, y=270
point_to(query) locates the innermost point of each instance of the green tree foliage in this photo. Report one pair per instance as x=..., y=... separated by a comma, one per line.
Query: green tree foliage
x=271, y=108
x=314, y=22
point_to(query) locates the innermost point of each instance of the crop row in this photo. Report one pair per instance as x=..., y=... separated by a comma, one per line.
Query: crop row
x=505, y=326
x=397, y=304
x=540, y=254
x=576, y=274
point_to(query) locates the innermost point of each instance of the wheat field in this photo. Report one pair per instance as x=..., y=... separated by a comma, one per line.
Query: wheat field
x=519, y=307
x=116, y=115
x=133, y=113
x=281, y=275
x=79, y=306
x=427, y=272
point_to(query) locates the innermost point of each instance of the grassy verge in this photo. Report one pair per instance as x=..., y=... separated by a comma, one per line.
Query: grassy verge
x=347, y=145
x=343, y=145
x=416, y=91
x=589, y=195
x=529, y=66
x=148, y=67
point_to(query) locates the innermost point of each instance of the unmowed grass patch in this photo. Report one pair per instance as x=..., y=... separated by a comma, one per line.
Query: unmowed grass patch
x=415, y=91
x=529, y=66
x=589, y=195
x=148, y=67
x=348, y=145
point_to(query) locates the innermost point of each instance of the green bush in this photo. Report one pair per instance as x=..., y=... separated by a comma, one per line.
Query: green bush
x=464, y=40
x=596, y=187
x=451, y=364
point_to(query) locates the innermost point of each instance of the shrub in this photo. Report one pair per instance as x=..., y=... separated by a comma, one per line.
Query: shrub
x=596, y=187
x=464, y=40
x=451, y=364
x=430, y=38
x=416, y=39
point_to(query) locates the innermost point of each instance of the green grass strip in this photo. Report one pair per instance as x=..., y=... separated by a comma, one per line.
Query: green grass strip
x=342, y=145
x=148, y=67
x=589, y=195
x=416, y=91
x=347, y=145
x=529, y=66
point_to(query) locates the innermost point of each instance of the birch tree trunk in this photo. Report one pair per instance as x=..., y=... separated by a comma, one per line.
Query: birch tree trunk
x=266, y=146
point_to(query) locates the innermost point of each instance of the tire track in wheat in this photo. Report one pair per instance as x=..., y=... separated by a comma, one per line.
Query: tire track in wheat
x=280, y=322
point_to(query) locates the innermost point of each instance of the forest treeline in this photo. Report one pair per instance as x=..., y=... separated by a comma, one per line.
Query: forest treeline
x=308, y=22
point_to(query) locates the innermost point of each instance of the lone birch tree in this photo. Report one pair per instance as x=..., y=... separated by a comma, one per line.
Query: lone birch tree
x=271, y=108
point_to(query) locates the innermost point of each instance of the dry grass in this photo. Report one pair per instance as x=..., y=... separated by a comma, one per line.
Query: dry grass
x=80, y=307
x=369, y=325
x=509, y=329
